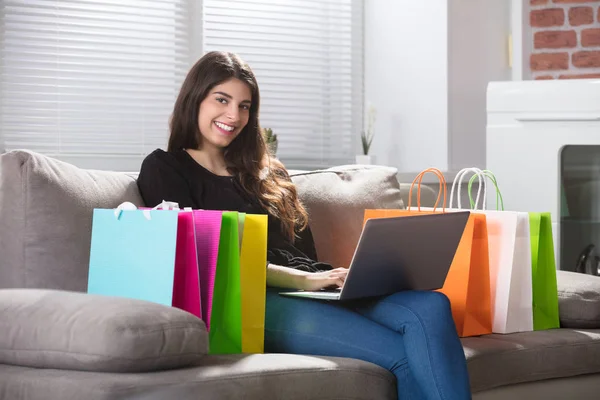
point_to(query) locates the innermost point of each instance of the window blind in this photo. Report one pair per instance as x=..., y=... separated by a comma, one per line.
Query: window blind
x=307, y=58
x=91, y=82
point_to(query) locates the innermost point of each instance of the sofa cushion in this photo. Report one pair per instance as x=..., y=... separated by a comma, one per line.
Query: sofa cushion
x=578, y=300
x=256, y=376
x=69, y=330
x=46, y=219
x=498, y=360
x=336, y=198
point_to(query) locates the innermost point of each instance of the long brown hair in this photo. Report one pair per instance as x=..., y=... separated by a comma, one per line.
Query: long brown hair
x=247, y=154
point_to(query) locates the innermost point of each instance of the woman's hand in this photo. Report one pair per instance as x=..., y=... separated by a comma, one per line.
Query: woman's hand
x=290, y=278
x=321, y=280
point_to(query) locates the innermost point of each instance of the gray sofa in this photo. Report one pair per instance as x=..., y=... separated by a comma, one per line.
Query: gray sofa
x=59, y=343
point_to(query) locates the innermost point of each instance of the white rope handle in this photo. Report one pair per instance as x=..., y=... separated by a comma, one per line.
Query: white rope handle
x=164, y=205
x=458, y=182
x=124, y=206
x=481, y=183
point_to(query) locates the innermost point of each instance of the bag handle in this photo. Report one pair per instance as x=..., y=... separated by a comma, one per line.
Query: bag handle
x=163, y=205
x=458, y=182
x=442, y=189
x=126, y=205
x=499, y=200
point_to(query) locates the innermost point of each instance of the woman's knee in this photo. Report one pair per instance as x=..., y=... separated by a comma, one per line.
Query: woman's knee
x=437, y=300
x=421, y=301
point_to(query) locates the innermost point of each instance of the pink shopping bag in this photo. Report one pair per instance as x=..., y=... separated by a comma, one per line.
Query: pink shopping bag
x=186, y=284
x=207, y=226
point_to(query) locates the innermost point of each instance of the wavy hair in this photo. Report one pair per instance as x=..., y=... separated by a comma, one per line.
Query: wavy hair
x=247, y=156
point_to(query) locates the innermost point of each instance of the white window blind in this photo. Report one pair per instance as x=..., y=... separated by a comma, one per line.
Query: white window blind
x=91, y=82
x=307, y=58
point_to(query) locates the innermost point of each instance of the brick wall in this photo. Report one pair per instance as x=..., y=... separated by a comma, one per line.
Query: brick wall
x=566, y=39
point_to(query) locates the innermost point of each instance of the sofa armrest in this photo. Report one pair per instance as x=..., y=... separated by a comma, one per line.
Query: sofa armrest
x=79, y=331
x=578, y=300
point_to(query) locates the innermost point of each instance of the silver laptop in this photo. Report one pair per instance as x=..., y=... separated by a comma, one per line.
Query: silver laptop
x=399, y=253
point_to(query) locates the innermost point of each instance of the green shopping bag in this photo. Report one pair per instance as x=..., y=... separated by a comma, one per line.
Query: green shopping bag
x=543, y=269
x=225, y=336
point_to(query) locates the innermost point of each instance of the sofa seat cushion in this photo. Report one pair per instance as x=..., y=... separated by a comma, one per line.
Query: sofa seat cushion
x=69, y=330
x=46, y=218
x=578, y=300
x=257, y=376
x=336, y=199
x=498, y=360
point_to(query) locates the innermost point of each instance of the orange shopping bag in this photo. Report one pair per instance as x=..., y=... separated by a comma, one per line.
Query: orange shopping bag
x=467, y=285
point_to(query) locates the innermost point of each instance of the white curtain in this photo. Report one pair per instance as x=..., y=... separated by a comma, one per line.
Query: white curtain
x=307, y=57
x=91, y=82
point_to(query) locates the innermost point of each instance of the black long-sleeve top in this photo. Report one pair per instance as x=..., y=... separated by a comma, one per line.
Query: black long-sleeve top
x=176, y=176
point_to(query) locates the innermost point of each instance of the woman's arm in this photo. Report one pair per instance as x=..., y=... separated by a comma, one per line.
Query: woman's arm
x=290, y=278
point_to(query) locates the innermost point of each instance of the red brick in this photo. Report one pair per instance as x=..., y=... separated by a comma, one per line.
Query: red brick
x=580, y=76
x=555, y=39
x=537, y=2
x=598, y=18
x=590, y=37
x=543, y=77
x=575, y=1
x=581, y=16
x=549, y=61
x=547, y=17
x=586, y=59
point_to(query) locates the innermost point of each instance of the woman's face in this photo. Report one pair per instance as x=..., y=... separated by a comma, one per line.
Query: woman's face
x=224, y=113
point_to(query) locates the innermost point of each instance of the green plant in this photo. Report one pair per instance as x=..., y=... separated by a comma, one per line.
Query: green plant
x=271, y=140
x=366, y=135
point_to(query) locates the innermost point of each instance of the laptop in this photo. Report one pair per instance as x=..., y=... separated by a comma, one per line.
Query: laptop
x=399, y=253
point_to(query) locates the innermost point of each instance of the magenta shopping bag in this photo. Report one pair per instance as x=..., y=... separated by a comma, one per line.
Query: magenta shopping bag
x=207, y=224
x=186, y=284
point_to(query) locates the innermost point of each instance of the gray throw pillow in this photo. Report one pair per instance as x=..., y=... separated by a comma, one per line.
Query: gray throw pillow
x=77, y=331
x=578, y=300
x=336, y=199
x=46, y=208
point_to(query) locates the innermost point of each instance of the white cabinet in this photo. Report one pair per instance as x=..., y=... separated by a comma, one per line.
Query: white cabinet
x=542, y=139
x=427, y=66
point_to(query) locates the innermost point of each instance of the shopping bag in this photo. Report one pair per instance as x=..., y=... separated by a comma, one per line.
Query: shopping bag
x=186, y=280
x=253, y=281
x=510, y=258
x=207, y=228
x=132, y=254
x=225, y=334
x=543, y=267
x=467, y=283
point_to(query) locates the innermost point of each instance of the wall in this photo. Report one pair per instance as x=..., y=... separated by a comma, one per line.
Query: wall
x=427, y=66
x=477, y=53
x=406, y=81
x=565, y=39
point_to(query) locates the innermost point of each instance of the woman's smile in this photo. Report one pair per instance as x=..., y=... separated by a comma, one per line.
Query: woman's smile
x=224, y=128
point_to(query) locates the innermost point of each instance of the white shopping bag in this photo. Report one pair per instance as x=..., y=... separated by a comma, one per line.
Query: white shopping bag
x=509, y=246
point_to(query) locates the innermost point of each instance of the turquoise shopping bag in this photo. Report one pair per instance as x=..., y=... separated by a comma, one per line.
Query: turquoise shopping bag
x=132, y=254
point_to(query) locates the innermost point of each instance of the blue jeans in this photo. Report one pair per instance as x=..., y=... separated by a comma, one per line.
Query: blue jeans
x=410, y=333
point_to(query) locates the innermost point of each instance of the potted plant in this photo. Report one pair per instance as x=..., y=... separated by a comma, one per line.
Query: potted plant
x=271, y=140
x=366, y=137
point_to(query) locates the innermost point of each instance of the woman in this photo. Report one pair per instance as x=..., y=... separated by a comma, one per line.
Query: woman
x=217, y=159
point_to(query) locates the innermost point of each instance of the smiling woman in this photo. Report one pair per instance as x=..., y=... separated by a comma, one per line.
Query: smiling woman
x=216, y=160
